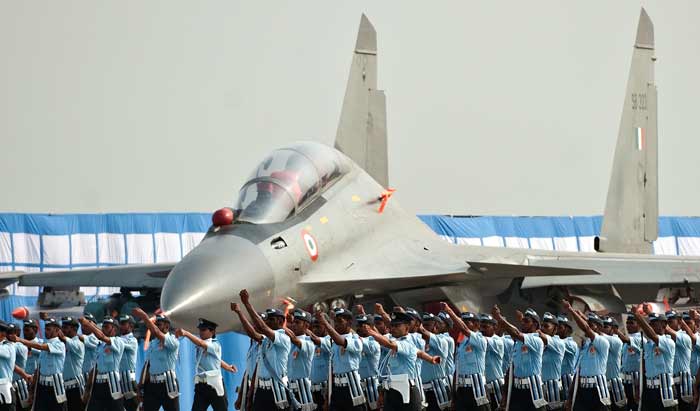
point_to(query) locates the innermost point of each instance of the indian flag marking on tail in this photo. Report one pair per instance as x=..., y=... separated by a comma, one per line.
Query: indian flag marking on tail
x=640, y=138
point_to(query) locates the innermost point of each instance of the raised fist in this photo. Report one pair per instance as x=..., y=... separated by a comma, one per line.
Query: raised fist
x=245, y=297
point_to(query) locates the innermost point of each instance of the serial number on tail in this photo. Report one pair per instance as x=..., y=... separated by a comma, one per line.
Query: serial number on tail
x=639, y=101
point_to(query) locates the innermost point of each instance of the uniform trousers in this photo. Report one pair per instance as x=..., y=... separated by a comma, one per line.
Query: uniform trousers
x=131, y=404
x=587, y=399
x=45, y=399
x=464, y=400
x=205, y=395
x=521, y=400
x=6, y=407
x=264, y=400
x=18, y=407
x=393, y=401
x=341, y=400
x=319, y=399
x=75, y=400
x=651, y=401
x=432, y=401
x=629, y=393
x=155, y=395
x=101, y=399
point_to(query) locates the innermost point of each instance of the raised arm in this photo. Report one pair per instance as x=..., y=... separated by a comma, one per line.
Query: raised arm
x=155, y=331
x=88, y=325
x=383, y=341
x=379, y=309
x=456, y=320
x=427, y=357
x=266, y=330
x=335, y=336
x=644, y=325
x=580, y=321
x=247, y=326
x=292, y=337
x=543, y=336
x=27, y=343
x=180, y=332
x=506, y=326
x=688, y=331
x=624, y=337
x=314, y=338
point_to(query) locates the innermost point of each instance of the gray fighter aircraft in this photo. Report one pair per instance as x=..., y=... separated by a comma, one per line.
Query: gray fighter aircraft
x=316, y=225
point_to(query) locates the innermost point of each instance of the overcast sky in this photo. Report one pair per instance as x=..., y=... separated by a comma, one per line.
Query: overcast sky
x=493, y=107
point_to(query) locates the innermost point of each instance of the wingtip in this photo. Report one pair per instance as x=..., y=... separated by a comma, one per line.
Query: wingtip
x=366, y=36
x=645, y=31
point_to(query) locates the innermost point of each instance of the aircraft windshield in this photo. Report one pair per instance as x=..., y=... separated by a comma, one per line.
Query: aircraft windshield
x=287, y=180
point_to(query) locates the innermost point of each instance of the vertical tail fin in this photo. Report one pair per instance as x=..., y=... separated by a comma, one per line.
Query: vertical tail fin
x=630, y=223
x=362, y=133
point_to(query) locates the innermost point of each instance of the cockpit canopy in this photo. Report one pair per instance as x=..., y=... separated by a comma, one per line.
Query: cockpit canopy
x=288, y=180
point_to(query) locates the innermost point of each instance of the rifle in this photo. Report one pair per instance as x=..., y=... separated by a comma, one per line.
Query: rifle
x=142, y=383
x=33, y=388
x=89, y=384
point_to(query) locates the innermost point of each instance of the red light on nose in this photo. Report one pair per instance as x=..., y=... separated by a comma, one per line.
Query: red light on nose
x=20, y=313
x=223, y=216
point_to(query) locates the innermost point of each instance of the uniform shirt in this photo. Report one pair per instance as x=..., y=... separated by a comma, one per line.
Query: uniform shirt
x=51, y=361
x=319, y=365
x=131, y=346
x=684, y=345
x=371, y=352
x=507, y=351
x=75, y=353
x=593, y=358
x=495, y=348
x=162, y=355
x=527, y=356
x=471, y=355
x=110, y=355
x=612, y=369
x=33, y=357
x=91, y=342
x=658, y=358
x=20, y=359
x=695, y=356
x=251, y=357
x=346, y=359
x=8, y=353
x=552, y=358
x=419, y=343
x=208, y=359
x=631, y=352
x=449, y=360
x=404, y=359
x=300, y=359
x=436, y=346
x=568, y=364
x=274, y=354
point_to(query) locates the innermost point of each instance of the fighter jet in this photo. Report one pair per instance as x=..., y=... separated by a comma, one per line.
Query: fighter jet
x=317, y=225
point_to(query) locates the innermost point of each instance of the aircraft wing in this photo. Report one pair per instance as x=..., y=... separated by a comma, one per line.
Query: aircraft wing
x=135, y=276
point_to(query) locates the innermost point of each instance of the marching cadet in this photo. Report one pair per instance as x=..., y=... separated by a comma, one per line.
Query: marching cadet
x=90, y=342
x=251, y=360
x=320, y=366
x=613, y=371
x=658, y=351
x=508, y=344
x=209, y=383
x=690, y=319
x=435, y=384
x=369, y=364
x=444, y=327
x=590, y=390
x=162, y=388
x=552, y=358
x=8, y=353
x=470, y=385
x=20, y=377
x=525, y=373
x=73, y=364
x=568, y=364
x=494, y=359
x=29, y=330
x=106, y=391
x=631, y=351
x=50, y=393
x=127, y=365
x=346, y=393
x=683, y=380
x=300, y=359
x=401, y=391
x=270, y=389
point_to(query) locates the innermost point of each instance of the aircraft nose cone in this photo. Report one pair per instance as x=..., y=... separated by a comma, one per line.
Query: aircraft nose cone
x=207, y=279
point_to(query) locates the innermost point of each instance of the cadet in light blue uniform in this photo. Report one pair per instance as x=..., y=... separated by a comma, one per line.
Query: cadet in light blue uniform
x=346, y=393
x=300, y=359
x=8, y=353
x=683, y=380
x=610, y=331
x=525, y=375
x=29, y=330
x=445, y=327
x=127, y=365
x=19, y=380
x=470, y=362
x=694, y=357
x=568, y=364
x=495, y=349
x=399, y=365
x=417, y=339
x=50, y=391
x=91, y=342
x=73, y=365
x=435, y=384
x=251, y=361
x=590, y=391
x=659, y=351
x=162, y=388
x=508, y=344
x=369, y=364
x=106, y=390
x=320, y=366
x=552, y=358
x=209, y=383
x=631, y=352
